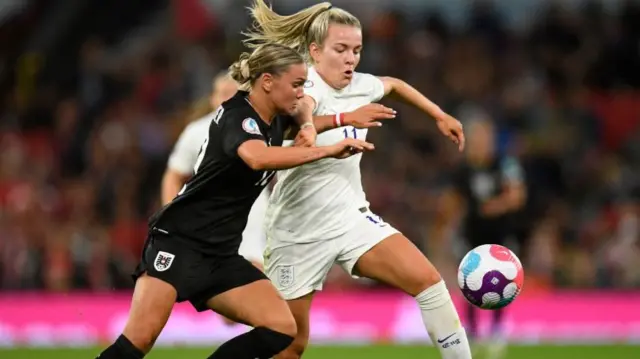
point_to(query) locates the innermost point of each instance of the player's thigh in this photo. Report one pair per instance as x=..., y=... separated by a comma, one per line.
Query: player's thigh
x=396, y=261
x=378, y=251
x=257, y=304
x=297, y=269
x=151, y=305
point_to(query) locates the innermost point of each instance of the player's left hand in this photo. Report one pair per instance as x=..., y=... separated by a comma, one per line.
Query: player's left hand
x=306, y=137
x=451, y=128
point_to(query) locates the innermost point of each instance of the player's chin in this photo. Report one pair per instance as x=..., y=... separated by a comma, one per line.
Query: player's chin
x=345, y=80
x=293, y=110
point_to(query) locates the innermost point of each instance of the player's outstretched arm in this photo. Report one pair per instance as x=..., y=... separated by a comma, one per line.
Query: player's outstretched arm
x=364, y=117
x=448, y=125
x=257, y=155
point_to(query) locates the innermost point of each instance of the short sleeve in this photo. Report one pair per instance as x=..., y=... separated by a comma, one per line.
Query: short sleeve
x=237, y=130
x=314, y=87
x=375, y=84
x=185, y=152
x=372, y=85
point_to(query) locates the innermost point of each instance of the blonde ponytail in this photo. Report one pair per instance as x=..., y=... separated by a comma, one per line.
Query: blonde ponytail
x=298, y=30
x=239, y=70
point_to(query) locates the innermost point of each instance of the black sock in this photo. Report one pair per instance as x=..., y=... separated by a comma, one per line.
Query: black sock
x=496, y=326
x=259, y=343
x=122, y=348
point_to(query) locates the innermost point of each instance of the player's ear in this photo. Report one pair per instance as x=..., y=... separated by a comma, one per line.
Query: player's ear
x=267, y=82
x=314, y=51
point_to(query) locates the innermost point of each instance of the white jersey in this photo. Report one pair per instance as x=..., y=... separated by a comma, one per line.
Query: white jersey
x=314, y=201
x=185, y=152
x=183, y=159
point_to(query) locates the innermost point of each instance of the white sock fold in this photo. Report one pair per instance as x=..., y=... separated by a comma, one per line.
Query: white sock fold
x=443, y=323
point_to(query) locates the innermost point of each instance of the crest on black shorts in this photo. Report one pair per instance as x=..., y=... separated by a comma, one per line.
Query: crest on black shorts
x=163, y=261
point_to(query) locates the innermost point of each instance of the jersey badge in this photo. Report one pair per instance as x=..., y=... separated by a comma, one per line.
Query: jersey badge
x=163, y=261
x=250, y=125
x=285, y=276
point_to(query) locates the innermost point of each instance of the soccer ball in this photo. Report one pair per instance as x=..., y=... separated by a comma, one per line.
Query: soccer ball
x=490, y=276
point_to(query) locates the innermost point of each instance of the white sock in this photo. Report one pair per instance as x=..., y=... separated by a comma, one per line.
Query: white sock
x=443, y=323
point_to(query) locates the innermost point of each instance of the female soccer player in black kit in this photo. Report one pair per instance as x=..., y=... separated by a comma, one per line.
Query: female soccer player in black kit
x=191, y=253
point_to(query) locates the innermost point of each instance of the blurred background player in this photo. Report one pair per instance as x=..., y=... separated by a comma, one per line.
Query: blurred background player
x=488, y=190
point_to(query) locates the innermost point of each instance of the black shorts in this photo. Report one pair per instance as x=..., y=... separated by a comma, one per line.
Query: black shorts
x=196, y=277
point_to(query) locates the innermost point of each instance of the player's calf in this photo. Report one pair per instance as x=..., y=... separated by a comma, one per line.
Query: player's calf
x=122, y=348
x=274, y=326
x=398, y=262
x=295, y=350
x=151, y=306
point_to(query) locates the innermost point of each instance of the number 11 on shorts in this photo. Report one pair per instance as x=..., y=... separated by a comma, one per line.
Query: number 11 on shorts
x=350, y=131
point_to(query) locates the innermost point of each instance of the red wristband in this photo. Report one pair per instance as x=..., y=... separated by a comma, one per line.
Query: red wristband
x=338, y=120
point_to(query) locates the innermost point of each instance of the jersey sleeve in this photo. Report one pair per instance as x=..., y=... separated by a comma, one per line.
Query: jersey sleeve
x=185, y=152
x=314, y=89
x=375, y=87
x=236, y=130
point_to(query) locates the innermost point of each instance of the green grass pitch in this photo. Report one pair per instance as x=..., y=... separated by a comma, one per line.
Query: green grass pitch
x=355, y=352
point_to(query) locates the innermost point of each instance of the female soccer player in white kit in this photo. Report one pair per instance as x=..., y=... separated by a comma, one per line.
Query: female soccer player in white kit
x=318, y=214
x=183, y=159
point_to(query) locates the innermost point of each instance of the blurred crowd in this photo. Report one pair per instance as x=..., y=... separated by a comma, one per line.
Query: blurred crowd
x=81, y=162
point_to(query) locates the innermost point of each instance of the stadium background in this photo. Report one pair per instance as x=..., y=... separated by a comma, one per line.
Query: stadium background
x=94, y=93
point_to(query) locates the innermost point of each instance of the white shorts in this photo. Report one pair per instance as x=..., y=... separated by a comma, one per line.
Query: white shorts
x=253, y=237
x=297, y=269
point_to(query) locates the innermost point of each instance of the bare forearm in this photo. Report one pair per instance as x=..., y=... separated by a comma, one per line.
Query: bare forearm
x=324, y=123
x=280, y=158
x=172, y=182
x=407, y=93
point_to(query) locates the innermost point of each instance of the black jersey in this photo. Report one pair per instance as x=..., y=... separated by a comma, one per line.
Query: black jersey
x=479, y=184
x=211, y=210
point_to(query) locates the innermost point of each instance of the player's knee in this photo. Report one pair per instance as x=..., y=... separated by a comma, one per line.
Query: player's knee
x=284, y=324
x=423, y=279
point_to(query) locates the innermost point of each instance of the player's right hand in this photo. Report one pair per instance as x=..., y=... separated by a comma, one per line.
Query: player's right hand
x=369, y=116
x=349, y=147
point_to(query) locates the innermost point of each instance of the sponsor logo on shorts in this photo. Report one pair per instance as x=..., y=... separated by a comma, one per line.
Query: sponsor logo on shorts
x=163, y=261
x=250, y=125
x=285, y=276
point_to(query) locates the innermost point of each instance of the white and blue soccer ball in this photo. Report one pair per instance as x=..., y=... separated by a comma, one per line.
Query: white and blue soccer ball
x=490, y=276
